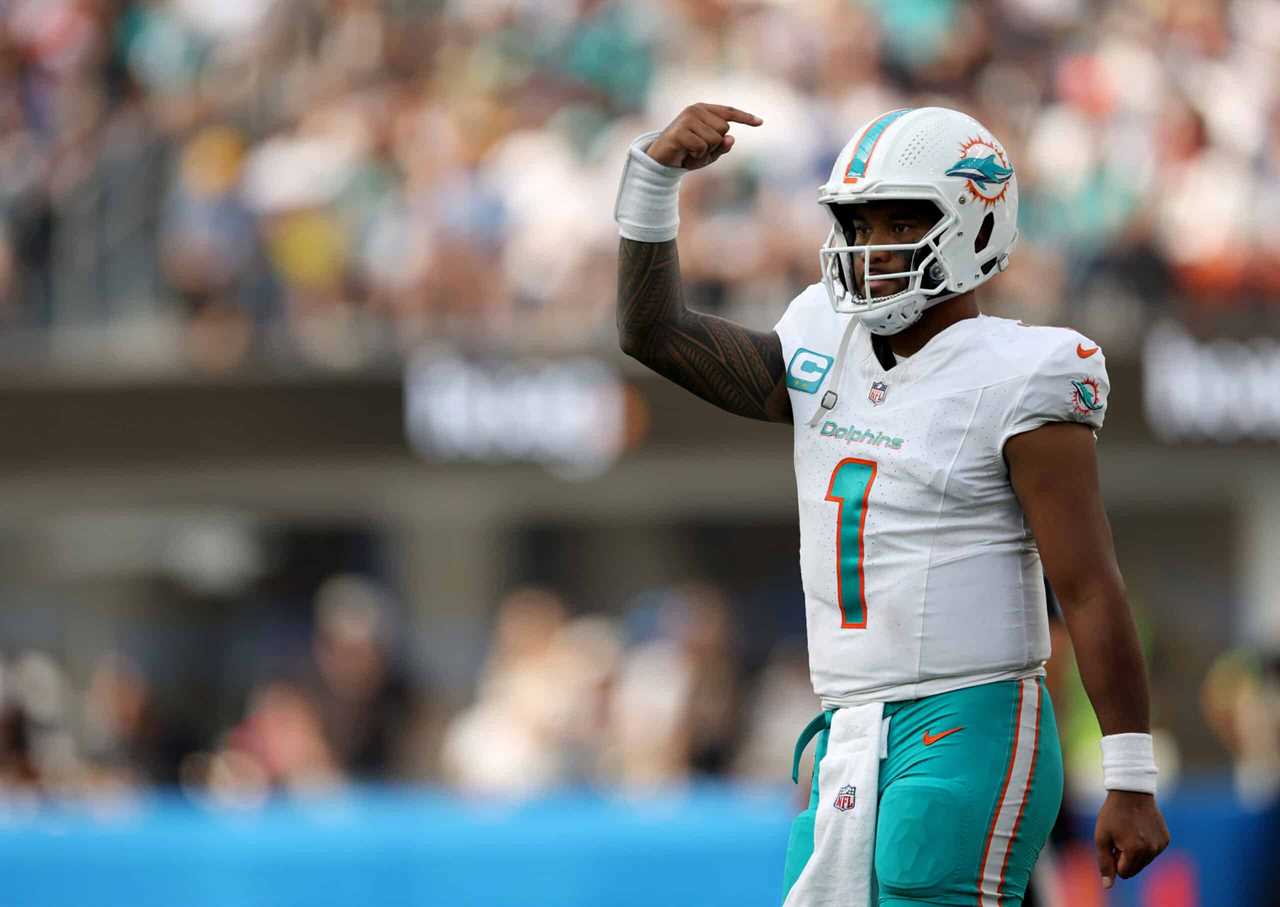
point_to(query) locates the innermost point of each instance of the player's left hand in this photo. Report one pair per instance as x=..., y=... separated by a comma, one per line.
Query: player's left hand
x=1130, y=834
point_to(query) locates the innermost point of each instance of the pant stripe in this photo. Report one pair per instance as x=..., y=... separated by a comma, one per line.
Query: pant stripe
x=1026, y=794
x=1013, y=795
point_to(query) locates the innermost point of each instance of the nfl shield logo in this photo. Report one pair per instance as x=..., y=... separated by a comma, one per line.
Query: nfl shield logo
x=847, y=797
x=877, y=393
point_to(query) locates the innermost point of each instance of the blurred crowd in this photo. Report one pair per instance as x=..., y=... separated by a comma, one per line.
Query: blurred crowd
x=655, y=698
x=207, y=183
x=666, y=693
x=341, y=710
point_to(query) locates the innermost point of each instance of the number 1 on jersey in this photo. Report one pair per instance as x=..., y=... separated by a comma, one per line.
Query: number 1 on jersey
x=850, y=488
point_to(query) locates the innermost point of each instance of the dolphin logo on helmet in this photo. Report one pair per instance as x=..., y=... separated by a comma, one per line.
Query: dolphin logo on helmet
x=981, y=170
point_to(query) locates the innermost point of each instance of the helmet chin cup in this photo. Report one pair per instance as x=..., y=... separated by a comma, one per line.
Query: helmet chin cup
x=892, y=321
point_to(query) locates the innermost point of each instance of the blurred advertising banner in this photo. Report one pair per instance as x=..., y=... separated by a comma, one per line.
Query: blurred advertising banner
x=569, y=414
x=1218, y=391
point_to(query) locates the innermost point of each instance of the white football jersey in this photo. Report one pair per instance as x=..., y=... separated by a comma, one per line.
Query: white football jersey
x=920, y=574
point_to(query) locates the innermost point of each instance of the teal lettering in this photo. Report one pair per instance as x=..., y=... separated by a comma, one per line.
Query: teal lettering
x=851, y=434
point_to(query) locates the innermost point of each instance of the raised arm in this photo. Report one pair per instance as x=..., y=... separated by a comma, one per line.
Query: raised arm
x=739, y=370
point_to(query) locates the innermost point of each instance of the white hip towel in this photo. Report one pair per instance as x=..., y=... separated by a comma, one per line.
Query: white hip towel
x=841, y=869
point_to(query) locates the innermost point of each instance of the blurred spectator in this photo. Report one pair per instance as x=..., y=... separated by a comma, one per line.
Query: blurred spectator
x=677, y=702
x=781, y=704
x=126, y=739
x=506, y=741
x=365, y=703
x=38, y=756
x=206, y=244
x=280, y=745
x=17, y=767
x=347, y=714
x=561, y=702
x=589, y=651
x=1240, y=700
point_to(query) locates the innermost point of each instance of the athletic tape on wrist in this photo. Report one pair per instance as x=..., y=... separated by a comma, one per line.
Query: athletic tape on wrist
x=1129, y=763
x=648, y=205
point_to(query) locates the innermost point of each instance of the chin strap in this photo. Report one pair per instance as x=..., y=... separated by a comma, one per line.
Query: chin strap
x=831, y=397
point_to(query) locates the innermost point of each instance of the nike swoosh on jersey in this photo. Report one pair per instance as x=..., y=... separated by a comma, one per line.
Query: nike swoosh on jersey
x=931, y=740
x=1084, y=353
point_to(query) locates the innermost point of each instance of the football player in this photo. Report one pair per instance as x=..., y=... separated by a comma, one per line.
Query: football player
x=945, y=465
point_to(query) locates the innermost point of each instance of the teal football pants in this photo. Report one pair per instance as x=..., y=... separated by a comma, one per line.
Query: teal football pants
x=968, y=792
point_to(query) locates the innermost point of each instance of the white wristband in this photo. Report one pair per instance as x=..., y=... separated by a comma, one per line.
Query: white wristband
x=648, y=205
x=1129, y=763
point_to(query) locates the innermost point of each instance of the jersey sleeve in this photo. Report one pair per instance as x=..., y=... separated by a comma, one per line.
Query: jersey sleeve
x=791, y=325
x=1069, y=384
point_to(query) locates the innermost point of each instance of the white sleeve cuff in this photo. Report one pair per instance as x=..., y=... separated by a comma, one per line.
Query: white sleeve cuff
x=648, y=203
x=1129, y=763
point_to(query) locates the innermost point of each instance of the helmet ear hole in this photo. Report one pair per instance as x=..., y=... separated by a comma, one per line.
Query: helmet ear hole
x=984, y=233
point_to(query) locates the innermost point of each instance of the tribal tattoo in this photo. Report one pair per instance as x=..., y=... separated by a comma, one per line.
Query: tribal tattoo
x=739, y=370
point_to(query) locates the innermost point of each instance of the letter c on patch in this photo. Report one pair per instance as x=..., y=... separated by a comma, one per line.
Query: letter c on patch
x=807, y=370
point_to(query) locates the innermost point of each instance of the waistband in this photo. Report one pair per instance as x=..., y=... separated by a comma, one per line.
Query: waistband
x=931, y=687
x=823, y=720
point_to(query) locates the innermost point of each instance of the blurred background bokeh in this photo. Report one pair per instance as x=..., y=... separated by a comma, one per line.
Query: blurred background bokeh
x=325, y=487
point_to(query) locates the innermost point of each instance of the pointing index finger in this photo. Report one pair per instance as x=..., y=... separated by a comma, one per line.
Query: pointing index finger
x=734, y=115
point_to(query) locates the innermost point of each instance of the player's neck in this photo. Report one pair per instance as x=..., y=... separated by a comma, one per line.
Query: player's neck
x=934, y=320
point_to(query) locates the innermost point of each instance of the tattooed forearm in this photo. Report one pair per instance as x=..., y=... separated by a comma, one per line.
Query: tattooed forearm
x=737, y=369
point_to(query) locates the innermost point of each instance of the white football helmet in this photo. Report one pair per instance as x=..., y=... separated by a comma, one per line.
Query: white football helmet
x=931, y=153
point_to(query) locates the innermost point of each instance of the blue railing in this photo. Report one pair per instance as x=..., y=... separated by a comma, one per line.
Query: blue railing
x=708, y=847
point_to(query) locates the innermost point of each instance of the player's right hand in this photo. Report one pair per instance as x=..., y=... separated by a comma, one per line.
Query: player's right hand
x=699, y=136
